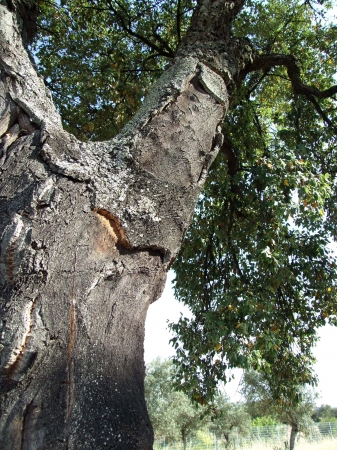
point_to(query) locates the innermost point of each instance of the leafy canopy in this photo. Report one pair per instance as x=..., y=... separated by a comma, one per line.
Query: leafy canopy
x=100, y=57
x=256, y=269
x=259, y=398
x=229, y=417
x=173, y=415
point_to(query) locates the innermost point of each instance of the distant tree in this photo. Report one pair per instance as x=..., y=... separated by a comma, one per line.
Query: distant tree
x=261, y=400
x=228, y=417
x=264, y=421
x=159, y=394
x=189, y=417
x=298, y=416
x=172, y=413
x=324, y=413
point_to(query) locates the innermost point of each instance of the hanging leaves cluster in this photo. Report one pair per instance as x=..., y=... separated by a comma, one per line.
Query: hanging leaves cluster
x=258, y=266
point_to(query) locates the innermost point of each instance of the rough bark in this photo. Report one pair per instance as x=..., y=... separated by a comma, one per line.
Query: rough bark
x=88, y=232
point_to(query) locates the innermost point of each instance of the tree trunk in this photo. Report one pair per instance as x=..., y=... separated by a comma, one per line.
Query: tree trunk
x=293, y=434
x=226, y=436
x=88, y=232
x=184, y=438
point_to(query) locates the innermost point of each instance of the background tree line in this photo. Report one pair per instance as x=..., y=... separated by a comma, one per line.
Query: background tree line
x=175, y=417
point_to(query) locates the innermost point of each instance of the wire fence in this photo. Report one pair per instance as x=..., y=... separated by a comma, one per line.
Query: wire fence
x=275, y=435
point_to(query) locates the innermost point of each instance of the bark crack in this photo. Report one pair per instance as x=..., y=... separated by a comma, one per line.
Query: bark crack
x=70, y=352
x=210, y=157
x=12, y=239
x=26, y=423
x=20, y=361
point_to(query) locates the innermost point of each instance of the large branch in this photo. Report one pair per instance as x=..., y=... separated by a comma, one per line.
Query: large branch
x=25, y=87
x=267, y=62
x=126, y=25
x=210, y=39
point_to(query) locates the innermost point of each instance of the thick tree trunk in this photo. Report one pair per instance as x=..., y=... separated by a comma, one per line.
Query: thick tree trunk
x=88, y=232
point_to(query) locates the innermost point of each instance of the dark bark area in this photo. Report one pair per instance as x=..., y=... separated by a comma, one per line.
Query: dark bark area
x=293, y=434
x=88, y=232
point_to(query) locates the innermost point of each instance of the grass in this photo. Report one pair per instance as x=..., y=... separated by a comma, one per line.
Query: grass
x=326, y=444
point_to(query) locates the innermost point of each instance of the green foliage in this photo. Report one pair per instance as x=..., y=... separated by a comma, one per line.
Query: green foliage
x=257, y=268
x=173, y=415
x=264, y=421
x=325, y=413
x=260, y=400
x=204, y=438
x=329, y=419
x=228, y=417
x=100, y=57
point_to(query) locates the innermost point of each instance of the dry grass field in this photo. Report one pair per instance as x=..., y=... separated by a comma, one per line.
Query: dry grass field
x=326, y=444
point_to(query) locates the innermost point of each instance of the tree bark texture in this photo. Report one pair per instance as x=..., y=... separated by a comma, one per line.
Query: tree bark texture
x=88, y=232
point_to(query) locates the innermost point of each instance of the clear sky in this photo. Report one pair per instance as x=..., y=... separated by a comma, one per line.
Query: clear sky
x=167, y=308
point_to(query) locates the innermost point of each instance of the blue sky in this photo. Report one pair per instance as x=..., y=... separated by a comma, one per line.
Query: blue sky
x=168, y=308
